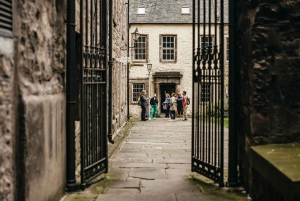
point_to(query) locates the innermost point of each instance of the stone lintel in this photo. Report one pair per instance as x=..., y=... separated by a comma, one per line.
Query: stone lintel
x=167, y=77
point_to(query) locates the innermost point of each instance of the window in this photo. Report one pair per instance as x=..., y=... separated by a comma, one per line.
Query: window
x=140, y=49
x=136, y=91
x=6, y=17
x=227, y=49
x=185, y=10
x=207, y=41
x=205, y=93
x=168, y=48
x=141, y=11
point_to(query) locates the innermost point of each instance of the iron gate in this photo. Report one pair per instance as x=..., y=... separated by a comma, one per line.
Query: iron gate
x=208, y=89
x=94, y=159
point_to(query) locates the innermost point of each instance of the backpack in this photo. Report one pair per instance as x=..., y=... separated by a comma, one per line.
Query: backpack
x=139, y=102
x=188, y=101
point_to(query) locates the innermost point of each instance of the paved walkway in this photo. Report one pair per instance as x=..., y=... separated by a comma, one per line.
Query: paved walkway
x=154, y=164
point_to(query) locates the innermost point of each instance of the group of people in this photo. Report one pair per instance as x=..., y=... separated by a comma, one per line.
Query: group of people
x=176, y=104
x=173, y=104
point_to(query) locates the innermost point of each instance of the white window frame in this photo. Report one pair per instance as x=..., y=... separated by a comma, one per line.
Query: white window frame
x=140, y=52
x=206, y=93
x=136, y=91
x=168, y=49
x=207, y=42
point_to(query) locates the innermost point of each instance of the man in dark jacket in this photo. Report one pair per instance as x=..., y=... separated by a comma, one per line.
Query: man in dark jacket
x=143, y=100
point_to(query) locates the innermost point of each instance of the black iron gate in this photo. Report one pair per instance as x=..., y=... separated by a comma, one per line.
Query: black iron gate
x=208, y=89
x=94, y=159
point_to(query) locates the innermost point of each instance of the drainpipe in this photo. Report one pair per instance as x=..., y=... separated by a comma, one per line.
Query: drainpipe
x=110, y=65
x=71, y=96
x=233, y=103
x=128, y=63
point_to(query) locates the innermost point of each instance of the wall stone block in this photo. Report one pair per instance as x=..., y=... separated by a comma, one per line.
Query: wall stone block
x=269, y=73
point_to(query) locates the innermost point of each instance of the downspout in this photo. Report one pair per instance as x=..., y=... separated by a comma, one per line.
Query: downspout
x=110, y=65
x=71, y=97
x=128, y=63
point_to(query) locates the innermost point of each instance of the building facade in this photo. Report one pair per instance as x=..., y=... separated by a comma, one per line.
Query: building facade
x=166, y=41
x=33, y=94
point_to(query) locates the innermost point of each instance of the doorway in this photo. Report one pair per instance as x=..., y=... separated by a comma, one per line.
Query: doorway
x=165, y=88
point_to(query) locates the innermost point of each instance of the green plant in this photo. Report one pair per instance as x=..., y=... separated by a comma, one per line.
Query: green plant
x=215, y=109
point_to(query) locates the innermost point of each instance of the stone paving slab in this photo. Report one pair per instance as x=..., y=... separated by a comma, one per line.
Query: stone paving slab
x=81, y=197
x=168, y=186
x=141, y=165
x=174, y=151
x=174, y=160
x=133, y=160
x=127, y=184
x=148, y=173
x=190, y=197
x=125, y=192
x=137, y=197
x=178, y=173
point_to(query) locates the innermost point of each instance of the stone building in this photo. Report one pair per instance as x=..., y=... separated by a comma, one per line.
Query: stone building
x=159, y=23
x=33, y=127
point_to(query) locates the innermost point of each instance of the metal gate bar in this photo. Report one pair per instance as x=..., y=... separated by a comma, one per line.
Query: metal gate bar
x=208, y=89
x=93, y=89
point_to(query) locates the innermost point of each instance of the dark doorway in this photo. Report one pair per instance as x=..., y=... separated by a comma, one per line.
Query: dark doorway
x=165, y=88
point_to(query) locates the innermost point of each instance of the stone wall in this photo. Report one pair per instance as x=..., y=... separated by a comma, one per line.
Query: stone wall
x=7, y=119
x=269, y=66
x=40, y=63
x=119, y=73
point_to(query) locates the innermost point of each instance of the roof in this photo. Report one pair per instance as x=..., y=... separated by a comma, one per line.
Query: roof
x=170, y=11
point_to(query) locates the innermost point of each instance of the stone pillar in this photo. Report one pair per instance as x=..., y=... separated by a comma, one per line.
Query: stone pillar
x=157, y=90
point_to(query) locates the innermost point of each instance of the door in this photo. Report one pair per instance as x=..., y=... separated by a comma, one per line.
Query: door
x=165, y=88
x=208, y=90
x=93, y=143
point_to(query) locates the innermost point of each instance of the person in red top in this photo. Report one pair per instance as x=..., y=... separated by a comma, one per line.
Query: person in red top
x=184, y=105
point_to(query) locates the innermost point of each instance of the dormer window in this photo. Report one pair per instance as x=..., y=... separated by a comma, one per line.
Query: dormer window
x=141, y=11
x=185, y=10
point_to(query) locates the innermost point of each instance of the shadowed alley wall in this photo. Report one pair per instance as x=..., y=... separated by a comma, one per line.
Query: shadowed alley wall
x=269, y=66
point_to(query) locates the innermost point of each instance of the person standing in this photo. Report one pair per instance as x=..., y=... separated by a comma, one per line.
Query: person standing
x=179, y=106
x=143, y=100
x=153, y=110
x=167, y=103
x=184, y=105
x=172, y=107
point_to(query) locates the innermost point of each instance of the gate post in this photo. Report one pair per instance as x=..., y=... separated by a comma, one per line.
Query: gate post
x=110, y=65
x=71, y=96
x=233, y=103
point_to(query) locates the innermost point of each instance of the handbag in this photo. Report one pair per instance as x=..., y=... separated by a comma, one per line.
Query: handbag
x=165, y=106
